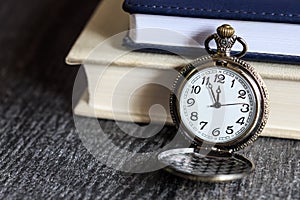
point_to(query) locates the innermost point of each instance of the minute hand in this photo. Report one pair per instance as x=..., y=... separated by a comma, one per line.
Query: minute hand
x=212, y=92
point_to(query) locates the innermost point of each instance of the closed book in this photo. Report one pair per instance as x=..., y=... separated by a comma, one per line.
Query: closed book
x=270, y=27
x=132, y=86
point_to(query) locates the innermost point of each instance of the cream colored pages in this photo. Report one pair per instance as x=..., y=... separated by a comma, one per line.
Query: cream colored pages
x=92, y=47
x=127, y=94
x=83, y=109
x=109, y=19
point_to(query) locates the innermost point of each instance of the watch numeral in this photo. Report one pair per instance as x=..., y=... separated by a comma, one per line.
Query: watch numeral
x=241, y=121
x=232, y=83
x=190, y=102
x=242, y=94
x=220, y=78
x=194, y=116
x=216, y=132
x=229, y=130
x=245, y=108
x=205, y=80
x=196, y=89
x=203, y=124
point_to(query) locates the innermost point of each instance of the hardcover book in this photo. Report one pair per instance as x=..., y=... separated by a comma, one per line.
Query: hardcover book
x=120, y=82
x=270, y=27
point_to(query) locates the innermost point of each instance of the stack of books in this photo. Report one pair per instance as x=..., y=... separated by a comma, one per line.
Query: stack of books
x=130, y=85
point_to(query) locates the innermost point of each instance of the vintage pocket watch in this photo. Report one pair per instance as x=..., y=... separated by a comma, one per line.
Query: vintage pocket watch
x=221, y=105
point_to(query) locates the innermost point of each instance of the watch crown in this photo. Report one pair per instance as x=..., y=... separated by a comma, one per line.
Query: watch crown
x=225, y=39
x=225, y=31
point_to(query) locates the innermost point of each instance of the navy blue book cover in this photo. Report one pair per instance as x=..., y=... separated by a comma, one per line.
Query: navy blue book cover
x=279, y=11
x=286, y=11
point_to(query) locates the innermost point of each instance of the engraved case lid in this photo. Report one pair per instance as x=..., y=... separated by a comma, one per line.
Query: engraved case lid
x=206, y=165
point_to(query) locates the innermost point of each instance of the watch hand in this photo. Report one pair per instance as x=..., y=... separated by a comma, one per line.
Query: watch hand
x=218, y=94
x=209, y=85
x=227, y=104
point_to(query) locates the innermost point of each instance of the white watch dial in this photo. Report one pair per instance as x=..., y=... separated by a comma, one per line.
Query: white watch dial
x=217, y=105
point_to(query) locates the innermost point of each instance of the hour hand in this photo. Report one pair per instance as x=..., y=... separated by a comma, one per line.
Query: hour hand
x=218, y=94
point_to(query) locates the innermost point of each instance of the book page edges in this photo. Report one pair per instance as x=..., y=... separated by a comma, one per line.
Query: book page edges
x=83, y=109
x=101, y=27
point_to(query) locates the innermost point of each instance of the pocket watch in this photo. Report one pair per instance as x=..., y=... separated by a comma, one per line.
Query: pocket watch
x=221, y=105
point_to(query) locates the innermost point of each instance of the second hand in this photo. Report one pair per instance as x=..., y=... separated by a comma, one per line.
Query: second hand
x=228, y=104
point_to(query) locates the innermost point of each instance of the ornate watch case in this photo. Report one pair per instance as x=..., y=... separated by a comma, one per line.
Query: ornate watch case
x=220, y=104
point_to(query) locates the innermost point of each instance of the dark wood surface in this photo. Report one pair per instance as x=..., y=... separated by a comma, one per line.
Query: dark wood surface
x=41, y=153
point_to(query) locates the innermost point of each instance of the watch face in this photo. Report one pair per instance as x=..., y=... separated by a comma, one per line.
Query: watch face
x=217, y=105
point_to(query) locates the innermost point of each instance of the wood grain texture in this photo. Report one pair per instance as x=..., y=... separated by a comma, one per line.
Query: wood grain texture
x=41, y=154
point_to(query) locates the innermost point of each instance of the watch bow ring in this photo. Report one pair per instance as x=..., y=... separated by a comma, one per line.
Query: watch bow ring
x=225, y=39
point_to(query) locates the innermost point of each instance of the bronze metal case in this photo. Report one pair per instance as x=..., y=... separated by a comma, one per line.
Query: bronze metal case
x=245, y=70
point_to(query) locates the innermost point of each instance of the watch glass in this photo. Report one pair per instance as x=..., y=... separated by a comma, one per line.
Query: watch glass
x=217, y=105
